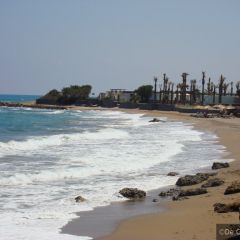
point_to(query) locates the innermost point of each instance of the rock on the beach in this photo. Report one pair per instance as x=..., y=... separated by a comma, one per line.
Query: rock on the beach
x=132, y=193
x=193, y=179
x=171, y=192
x=172, y=174
x=224, y=208
x=80, y=199
x=154, y=120
x=233, y=188
x=213, y=183
x=218, y=165
x=192, y=192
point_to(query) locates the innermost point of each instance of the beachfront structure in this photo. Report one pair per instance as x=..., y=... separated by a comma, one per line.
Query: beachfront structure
x=117, y=95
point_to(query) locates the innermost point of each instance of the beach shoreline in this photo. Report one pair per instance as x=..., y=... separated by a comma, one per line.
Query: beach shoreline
x=184, y=219
x=192, y=218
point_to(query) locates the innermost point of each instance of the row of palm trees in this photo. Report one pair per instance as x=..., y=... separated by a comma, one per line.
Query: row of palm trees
x=167, y=94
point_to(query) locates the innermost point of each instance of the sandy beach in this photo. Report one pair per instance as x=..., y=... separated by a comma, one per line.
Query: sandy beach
x=193, y=218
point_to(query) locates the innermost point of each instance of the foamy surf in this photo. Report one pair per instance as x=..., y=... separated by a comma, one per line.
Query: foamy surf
x=59, y=155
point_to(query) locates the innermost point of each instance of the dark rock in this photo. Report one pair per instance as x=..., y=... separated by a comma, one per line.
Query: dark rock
x=171, y=192
x=233, y=188
x=177, y=198
x=80, y=199
x=224, y=208
x=172, y=174
x=155, y=120
x=213, y=183
x=132, y=193
x=192, y=192
x=155, y=200
x=193, y=179
x=218, y=165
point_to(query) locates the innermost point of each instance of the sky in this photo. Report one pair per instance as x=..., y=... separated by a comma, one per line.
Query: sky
x=51, y=44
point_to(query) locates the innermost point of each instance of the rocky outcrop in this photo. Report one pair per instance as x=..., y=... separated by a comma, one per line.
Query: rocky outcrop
x=80, y=199
x=218, y=165
x=224, y=208
x=38, y=106
x=172, y=174
x=132, y=193
x=213, y=183
x=193, y=179
x=233, y=188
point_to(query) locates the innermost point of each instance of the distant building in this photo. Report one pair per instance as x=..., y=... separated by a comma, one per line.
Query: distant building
x=117, y=95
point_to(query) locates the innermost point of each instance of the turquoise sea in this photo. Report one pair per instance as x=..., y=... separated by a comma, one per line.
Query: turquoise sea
x=17, y=98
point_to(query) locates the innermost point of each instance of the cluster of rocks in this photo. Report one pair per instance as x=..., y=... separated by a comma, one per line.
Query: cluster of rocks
x=231, y=207
x=180, y=194
x=189, y=180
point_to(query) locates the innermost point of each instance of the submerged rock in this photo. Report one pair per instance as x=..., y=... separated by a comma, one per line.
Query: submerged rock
x=218, y=165
x=172, y=174
x=233, y=188
x=132, y=193
x=80, y=199
x=155, y=120
x=213, y=183
x=193, y=179
x=224, y=208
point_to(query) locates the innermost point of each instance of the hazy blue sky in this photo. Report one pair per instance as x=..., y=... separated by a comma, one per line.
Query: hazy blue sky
x=47, y=44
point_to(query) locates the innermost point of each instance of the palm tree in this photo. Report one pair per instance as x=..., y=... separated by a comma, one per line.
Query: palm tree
x=203, y=83
x=231, y=88
x=225, y=87
x=184, y=87
x=220, y=86
x=214, y=93
x=155, y=89
x=238, y=85
x=193, y=91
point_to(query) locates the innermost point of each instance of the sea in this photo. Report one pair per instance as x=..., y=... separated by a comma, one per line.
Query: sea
x=17, y=98
x=48, y=157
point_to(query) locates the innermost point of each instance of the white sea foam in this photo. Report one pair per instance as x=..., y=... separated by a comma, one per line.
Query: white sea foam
x=31, y=144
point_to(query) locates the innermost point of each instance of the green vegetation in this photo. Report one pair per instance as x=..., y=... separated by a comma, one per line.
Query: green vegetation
x=145, y=92
x=68, y=95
